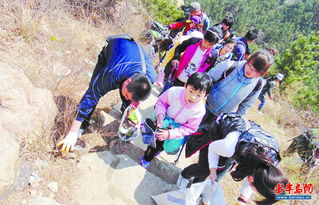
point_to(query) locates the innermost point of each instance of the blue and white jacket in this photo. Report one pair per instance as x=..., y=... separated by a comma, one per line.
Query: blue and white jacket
x=123, y=60
x=236, y=90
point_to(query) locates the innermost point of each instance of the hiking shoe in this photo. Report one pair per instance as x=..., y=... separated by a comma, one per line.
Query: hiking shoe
x=144, y=163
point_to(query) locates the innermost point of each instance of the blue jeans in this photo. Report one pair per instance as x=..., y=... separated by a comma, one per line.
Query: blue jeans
x=262, y=99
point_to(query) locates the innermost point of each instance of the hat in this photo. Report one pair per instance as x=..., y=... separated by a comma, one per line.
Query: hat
x=196, y=19
x=195, y=5
x=279, y=76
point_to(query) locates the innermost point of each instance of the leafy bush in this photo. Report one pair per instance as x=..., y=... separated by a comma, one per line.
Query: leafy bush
x=163, y=11
x=300, y=65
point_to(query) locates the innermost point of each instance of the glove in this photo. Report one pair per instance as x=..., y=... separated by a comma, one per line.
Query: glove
x=69, y=141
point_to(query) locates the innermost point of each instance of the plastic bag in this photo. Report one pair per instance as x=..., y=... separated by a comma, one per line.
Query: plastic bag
x=206, y=192
x=130, y=124
x=148, y=130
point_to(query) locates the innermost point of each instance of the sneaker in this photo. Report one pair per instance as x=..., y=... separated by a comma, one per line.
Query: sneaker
x=144, y=163
x=182, y=182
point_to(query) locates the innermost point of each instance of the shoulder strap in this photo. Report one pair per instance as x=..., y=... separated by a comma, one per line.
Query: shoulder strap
x=247, y=123
x=227, y=72
x=142, y=58
x=126, y=36
x=258, y=85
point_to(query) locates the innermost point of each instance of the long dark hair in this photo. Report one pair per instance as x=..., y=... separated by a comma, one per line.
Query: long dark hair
x=257, y=161
x=265, y=180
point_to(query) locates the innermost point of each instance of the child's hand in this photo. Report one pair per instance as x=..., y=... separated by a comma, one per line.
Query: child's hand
x=162, y=135
x=212, y=176
x=159, y=120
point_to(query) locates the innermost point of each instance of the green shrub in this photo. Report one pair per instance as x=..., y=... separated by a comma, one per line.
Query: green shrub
x=163, y=11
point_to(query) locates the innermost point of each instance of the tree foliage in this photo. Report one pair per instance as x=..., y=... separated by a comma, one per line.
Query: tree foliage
x=300, y=65
x=163, y=11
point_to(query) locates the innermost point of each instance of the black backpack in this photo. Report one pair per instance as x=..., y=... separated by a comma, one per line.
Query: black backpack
x=218, y=30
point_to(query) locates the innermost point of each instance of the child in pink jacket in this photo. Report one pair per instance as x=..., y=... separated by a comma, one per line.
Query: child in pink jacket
x=183, y=109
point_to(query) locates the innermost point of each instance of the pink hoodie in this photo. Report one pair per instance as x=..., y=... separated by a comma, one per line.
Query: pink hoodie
x=172, y=102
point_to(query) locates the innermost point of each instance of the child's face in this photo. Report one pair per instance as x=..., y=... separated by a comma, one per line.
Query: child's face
x=206, y=44
x=194, y=96
x=229, y=47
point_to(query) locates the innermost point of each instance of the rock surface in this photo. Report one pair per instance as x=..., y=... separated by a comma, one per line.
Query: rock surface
x=108, y=178
x=26, y=114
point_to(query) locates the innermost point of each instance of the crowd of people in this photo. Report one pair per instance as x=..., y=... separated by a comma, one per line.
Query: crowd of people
x=211, y=81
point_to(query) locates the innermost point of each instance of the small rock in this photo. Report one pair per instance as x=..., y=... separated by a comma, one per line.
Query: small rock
x=87, y=61
x=72, y=155
x=43, y=201
x=41, y=163
x=53, y=186
x=33, y=192
x=23, y=178
x=79, y=148
x=51, y=195
x=35, y=180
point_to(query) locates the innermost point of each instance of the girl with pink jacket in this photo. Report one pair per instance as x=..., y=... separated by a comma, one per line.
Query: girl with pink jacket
x=179, y=110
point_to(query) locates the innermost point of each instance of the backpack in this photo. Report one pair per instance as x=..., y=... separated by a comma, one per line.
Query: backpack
x=211, y=59
x=217, y=29
x=235, y=52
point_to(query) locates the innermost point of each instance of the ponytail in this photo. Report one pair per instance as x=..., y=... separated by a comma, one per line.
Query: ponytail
x=266, y=178
x=254, y=160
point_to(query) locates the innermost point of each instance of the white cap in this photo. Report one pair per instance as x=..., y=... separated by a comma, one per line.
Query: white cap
x=279, y=76
x=195, y=5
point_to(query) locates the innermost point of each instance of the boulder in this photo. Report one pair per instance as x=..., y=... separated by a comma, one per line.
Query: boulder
x=9, y=156
x=26, y=113
x=25, y=110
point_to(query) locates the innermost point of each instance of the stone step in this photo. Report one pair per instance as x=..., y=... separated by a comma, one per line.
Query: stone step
x=108, y=178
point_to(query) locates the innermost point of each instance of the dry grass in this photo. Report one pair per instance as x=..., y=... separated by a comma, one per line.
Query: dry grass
x=285, y=123
x=55, y=44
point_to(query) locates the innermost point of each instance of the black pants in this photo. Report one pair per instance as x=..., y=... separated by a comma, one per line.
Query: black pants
x=151, y=151
x=177, y=82
x=199, y=170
